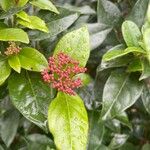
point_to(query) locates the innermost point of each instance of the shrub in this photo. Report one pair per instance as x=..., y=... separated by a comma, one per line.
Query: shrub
x=74, y=75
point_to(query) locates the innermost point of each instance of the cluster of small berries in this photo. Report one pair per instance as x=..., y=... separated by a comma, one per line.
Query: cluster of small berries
x=12, y=49
x=61, y=71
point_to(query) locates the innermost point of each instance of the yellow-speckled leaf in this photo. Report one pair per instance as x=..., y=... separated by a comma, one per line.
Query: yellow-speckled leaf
x=75, y=44
x=68, y=122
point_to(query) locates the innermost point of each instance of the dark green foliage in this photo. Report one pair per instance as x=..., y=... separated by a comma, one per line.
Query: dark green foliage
x=111, y=111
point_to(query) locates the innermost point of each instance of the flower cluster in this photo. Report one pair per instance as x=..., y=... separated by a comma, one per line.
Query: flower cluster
x=61, y=71
x=12, y=49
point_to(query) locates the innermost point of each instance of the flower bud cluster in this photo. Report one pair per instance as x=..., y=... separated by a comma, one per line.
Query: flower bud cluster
x=12, y=49
x=61, y=71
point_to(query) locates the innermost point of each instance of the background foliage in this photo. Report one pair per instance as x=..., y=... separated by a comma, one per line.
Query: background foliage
x=116, y=90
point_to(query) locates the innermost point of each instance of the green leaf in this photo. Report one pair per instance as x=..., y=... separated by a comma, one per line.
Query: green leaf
x=119, y=62
x=128, y=146
x=100, y=80
x=146, y=147
x=107, y=12
x=24, y=16
x=117, y=141
x=83, y=10
x=103, y=147
x=5, y=70
x=146, y=37
x=124, y=90
x=39, y=141
x=2, y=25
x=32, y=60
x=30, y=96
x=86, y=94
x=115, y=63
x=113, y=125
x=146, y=98
x=138, y=12
x=57, y=25
x=1, y=148
x=75, y=44
x=113, y=54
x=148, y=14
x=123, y=118
x=6, y=4
x=68, y=122
x=9, y=126
x=14, y=63
x=13, y=34
x=135, y=65
x=131, y=33
x=98, y=34
x=145, y=69
x=11, y=12
x=96, y=131
x=45, y=4
x=32, y=22
x=21, y=3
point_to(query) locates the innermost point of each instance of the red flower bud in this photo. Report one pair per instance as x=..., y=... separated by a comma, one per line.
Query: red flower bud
x=62, y=68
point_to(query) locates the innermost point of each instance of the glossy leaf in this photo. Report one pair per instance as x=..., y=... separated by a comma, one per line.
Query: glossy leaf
x=21, y=3
x=30, y=96
x=68, y=122
x=119, y=62
x=45, y=4
x=123, y=118
x=128, y=146
x=131, y=33
x=57, y=25
x=115, y=63
x=103, y=147
x=75, y=44
x=13, y=34
x=96, y=131
x=33, y=22
x=148, y=14
x=135, y=65
x=31, y=59
x=107, y=12
x=24, y=16
x=98, y=38
x=6, y=4
x=124, y=90
x=5, y=70
x=9, y=126
x=100, y=80
x=39, y=141
x=117, y=141
x=146, y=98
x=11, y=12
x=87, y=94
x=113, y=54
x=145, y=69
x=14, y=63
x=138, y=12
x=83, y=10
x=146, y=37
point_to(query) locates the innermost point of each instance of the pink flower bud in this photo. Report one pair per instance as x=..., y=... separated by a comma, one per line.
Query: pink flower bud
x=62, y=68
